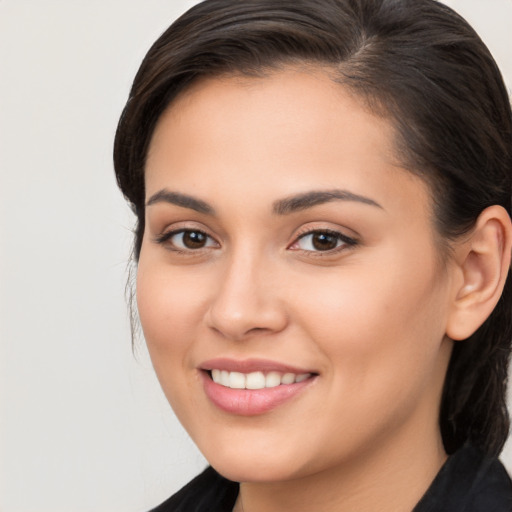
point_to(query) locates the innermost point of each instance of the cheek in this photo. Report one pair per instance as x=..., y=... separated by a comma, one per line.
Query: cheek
x=169, y=309
x=382, y=347
x=379, y=325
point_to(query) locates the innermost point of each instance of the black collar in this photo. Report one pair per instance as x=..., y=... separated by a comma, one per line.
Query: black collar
x=468, y=482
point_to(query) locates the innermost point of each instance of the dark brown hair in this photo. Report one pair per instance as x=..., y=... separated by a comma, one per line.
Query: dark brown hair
x=415, y=61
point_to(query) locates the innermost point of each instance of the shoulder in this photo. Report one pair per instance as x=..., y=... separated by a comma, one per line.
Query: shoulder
x=207, y=492
x=469, y=482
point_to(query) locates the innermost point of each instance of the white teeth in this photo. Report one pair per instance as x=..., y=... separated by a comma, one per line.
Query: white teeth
x=288, y=378
x=272, y=380
x=255, y=380
x=236, y=380
x=224, y=378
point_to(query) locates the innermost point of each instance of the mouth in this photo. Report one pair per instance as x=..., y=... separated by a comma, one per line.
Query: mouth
x=256, y=380
x=252, y=387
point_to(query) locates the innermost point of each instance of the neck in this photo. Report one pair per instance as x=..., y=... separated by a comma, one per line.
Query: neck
x=391, y=476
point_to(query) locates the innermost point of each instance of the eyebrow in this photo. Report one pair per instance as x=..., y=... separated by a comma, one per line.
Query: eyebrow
x=309, y=199
x=280, y=207
x=183, y=200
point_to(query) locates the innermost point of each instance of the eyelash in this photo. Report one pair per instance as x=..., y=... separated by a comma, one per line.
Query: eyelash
x=346, y=242
x=164, y=238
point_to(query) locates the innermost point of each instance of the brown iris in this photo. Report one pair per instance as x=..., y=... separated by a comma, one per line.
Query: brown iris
x=194, y=239
x=324, y=241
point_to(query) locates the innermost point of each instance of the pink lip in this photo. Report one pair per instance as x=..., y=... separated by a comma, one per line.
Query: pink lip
x=251, y=365
x=248, y=402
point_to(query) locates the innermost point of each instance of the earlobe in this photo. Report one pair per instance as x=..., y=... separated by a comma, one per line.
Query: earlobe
x=483, y=262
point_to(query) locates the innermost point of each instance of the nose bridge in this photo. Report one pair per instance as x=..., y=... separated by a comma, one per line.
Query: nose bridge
x=246, y=299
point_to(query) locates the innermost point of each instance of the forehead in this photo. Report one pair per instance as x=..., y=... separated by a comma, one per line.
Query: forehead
x=295, y=127
x=297, y=102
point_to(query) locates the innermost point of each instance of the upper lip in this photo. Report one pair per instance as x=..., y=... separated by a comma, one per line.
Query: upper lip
x=251, y=365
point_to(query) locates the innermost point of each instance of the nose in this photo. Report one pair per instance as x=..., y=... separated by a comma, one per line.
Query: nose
x=246, y=300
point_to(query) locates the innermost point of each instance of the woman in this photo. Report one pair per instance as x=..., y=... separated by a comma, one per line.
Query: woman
x=323, y=196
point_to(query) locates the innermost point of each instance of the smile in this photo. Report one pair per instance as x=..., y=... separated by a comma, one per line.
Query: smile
x=252, y=387
x=255, y=380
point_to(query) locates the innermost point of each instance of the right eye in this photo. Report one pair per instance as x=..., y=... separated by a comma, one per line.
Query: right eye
x=187, y=240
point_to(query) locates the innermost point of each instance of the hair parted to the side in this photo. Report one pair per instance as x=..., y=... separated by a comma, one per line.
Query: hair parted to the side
x=414, y=61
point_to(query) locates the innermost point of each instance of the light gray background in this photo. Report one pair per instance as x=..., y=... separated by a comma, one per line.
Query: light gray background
x=84, y=426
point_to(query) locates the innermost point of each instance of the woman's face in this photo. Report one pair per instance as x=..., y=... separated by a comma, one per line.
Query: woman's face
x=286, y=251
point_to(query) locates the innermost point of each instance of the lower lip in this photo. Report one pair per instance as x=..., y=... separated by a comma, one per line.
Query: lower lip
x=250, y=402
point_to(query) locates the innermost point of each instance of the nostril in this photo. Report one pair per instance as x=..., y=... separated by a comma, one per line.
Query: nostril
x=257, y=329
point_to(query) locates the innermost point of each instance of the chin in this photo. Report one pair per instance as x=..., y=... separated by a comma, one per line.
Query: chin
x=255, y=469
x=251, y=462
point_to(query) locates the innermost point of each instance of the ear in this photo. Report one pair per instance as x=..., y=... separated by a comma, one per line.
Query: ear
x=483, y=263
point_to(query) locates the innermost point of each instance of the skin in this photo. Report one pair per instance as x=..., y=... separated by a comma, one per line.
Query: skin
x=369, y=319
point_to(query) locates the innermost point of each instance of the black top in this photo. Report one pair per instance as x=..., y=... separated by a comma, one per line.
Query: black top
x=468, y=482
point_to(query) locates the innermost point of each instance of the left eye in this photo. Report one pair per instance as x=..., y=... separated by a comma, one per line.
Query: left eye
x=321, y=241
x=188, y=239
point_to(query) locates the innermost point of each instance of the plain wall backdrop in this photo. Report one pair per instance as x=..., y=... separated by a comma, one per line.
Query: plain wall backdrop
x=84, y=426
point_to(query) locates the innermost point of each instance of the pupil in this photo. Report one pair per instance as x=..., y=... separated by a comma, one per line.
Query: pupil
x=194, y=239
x=324, y=241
